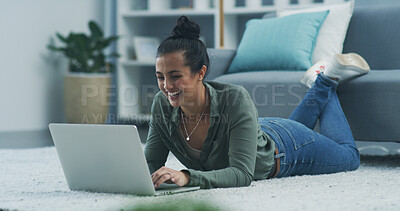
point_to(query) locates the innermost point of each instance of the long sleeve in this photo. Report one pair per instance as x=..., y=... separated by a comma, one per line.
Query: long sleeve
x=242, y=150
x=155, y=151
x=235, y=150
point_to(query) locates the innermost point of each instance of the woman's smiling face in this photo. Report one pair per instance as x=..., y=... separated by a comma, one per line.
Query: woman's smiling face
x=176, y=81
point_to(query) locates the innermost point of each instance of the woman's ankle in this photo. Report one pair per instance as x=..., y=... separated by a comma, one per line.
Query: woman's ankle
x=332, y=78
x=330, y=81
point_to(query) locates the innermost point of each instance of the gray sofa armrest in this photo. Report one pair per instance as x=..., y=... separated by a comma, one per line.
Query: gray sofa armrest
x=220, y=59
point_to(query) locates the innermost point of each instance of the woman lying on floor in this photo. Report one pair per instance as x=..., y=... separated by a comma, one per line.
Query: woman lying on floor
x=214, y=130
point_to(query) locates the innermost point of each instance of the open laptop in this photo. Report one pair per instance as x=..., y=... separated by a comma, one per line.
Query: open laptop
x=105, y=158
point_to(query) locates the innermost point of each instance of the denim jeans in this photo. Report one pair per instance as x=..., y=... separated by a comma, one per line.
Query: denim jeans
x=304, y=151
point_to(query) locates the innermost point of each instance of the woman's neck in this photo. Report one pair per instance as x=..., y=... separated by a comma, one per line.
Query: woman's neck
x=198, y=104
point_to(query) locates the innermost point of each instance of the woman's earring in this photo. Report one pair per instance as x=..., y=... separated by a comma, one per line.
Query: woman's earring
x=199, y=78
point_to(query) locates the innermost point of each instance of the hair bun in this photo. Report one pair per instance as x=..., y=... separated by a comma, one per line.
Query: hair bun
x=186, y=28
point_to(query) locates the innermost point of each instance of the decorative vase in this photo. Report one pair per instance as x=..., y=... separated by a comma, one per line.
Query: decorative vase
x=86, y=97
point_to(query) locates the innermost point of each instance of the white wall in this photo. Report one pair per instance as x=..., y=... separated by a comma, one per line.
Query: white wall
x=31, y=92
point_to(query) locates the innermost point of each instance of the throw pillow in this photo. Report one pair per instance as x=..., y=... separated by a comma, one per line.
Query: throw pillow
x=285, y=43
x=333, y=31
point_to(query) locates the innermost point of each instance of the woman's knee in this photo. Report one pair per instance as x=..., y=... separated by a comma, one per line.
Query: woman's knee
x=356, y=159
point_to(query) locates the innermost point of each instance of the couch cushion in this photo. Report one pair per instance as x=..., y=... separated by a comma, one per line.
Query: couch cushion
x=278, y=43
x=275, y=93
x=374, y=33
x=220, y=59
x=370, y=103
x=332, y=32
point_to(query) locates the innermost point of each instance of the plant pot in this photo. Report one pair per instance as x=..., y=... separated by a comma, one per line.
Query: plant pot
x=86, y=97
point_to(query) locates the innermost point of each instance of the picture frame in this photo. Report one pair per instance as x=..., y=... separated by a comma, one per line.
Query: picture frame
x=145, y=48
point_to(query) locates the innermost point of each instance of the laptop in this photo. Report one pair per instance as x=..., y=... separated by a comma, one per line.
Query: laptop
x=105, y=158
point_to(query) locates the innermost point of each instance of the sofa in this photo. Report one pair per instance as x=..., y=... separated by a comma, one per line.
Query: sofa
x=370, y=102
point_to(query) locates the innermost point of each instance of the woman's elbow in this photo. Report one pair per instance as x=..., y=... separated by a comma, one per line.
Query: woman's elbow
x=246, y=180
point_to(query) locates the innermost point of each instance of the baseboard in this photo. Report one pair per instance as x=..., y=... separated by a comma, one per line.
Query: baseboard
x=378, y=148
x=41, y=138
x=25, y=139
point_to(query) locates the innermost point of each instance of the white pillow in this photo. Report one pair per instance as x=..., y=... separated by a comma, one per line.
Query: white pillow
x=332, y=32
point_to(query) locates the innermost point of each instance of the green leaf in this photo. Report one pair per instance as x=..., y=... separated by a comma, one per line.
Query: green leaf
x=95, y=30
x=113, y=38
x=54, y=48
x=103, y=44
x=98, y=62
x=69, y=39
x=85, y=51
x=82, y=41
x=62, y=38
x=110, y=40
x=79, y=49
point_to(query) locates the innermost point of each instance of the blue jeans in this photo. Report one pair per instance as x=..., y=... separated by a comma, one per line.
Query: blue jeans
x=304, y=151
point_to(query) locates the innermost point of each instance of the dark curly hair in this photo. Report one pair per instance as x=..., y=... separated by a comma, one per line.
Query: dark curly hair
x=185, y=38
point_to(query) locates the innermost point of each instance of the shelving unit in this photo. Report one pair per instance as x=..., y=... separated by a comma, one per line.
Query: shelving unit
x=136, y=80
x=135, y=63
x=172, y=12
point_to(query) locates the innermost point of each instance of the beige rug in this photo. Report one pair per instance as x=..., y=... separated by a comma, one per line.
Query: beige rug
x=32, y=179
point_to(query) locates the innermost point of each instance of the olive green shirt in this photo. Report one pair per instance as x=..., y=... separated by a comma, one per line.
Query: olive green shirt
x=235, y=151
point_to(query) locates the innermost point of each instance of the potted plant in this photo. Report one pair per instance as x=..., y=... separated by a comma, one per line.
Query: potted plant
x=88, y=79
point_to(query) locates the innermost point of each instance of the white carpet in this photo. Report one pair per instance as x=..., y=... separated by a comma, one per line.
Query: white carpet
x=32, y=179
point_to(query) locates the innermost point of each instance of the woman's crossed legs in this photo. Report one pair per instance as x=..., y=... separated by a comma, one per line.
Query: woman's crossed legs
x=304, y=151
